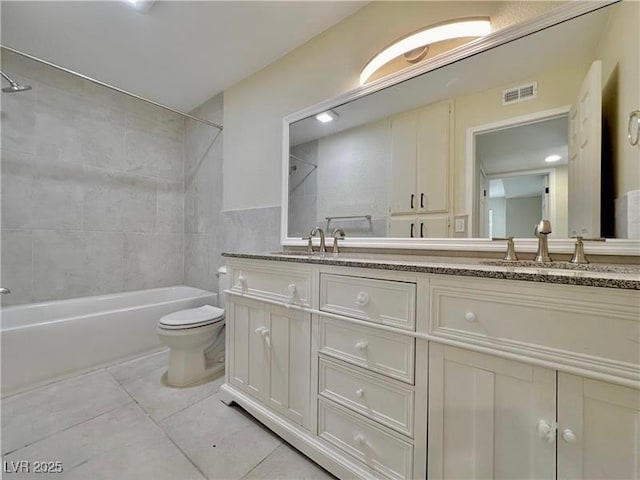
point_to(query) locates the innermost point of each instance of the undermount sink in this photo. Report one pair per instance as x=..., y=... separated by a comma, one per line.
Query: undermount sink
x=589, y=267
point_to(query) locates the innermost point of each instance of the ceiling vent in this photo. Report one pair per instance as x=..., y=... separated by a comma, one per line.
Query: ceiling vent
x=520, y=94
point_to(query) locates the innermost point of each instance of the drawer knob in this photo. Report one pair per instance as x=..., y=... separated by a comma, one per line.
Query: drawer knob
x=470, y=317
x=359, y=439
x=547, y=431
x=361, y=345
x=568, y=436
x=360, y=392
x=362, y=299
x=292, y=294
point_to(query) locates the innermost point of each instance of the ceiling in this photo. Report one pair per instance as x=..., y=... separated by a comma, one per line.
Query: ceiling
x=180, y=53
x=523, y=147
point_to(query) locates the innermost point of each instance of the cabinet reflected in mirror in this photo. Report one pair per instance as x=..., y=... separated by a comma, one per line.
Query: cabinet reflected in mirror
x=460, y=151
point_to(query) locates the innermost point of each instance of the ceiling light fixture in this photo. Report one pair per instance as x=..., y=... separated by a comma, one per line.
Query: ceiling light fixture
x=553, y=158
x=458, y=29
x=326, y=117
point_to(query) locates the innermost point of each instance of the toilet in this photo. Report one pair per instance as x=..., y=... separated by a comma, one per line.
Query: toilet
x=195, y=337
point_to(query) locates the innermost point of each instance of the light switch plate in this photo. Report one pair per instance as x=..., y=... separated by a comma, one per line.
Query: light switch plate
x=459, y=226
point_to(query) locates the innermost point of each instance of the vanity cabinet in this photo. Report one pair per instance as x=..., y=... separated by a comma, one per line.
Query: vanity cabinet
x=420, y=146
x=362, y=368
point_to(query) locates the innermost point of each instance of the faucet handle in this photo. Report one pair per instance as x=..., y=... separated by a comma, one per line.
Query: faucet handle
x=309, y=243
x=578, y=254
x=543, y=227
x=510, y=255
x=337, y=234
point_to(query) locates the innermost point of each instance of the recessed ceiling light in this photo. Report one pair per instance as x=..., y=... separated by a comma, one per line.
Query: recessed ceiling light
x=327, y=116
x=458, y=29
x=553, y=158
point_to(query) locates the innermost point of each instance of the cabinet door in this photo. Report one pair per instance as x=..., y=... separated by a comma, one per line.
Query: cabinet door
x=484, y=413
x=433, y=226
x=403, y=227
x=433, y=158
x=247, y=355
x=289, y=342
x=403, y=163
x=598, y=429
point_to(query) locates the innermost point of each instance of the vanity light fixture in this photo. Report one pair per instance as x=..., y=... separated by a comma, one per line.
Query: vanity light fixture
x=553, y=158
x=326, y=117
x=472, y=27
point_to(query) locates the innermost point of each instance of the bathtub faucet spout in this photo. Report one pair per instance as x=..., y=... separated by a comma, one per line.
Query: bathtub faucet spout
x=4, y=291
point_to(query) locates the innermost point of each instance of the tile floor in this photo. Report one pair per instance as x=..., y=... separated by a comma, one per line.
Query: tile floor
x=123, y=423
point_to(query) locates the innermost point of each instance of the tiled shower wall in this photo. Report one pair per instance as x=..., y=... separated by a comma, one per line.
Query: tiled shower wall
x=92, y=189
x=203, y=196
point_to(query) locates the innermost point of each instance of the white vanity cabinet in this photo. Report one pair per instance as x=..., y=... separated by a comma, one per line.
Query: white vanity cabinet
x=362, y=369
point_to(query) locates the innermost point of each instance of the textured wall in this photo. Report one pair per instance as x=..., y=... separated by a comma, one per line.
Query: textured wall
x=92, y=189
x=203, y=197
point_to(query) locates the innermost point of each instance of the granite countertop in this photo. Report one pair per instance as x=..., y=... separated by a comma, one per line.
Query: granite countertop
x=594, y=275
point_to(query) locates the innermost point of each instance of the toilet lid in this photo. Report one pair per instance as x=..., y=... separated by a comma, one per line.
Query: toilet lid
x=192, y=317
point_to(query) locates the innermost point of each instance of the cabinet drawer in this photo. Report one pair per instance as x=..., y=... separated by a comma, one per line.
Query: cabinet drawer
x=385, y=401
x=380, y=301
x=374, y=446
x=282, y=284
x=382, y=352
x=578, y=321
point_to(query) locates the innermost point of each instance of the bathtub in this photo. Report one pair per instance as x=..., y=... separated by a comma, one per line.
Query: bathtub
x=49, y=340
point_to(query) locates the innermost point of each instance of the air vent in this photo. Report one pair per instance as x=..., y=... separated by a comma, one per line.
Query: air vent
x=520, y=94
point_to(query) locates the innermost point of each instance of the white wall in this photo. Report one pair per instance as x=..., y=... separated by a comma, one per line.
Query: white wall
x=322, y=68
x=353, y=178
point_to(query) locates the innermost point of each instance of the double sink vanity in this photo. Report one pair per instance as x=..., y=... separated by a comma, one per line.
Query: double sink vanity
x=385, y=366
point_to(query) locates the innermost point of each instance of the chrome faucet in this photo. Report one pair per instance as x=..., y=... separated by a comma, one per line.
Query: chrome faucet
x=510, y=255
x=318, y=230
x=542, y=230
x=338, y=234
x=4, y=291
x=578, y=255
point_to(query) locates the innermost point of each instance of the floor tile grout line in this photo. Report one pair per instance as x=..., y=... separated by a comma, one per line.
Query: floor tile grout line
x=263, y=460
x=68, y=428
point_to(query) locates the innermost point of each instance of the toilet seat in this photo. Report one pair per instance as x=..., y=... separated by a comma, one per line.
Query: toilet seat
x=192, y=318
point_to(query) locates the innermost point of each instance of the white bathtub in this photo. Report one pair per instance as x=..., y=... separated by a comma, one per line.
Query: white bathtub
x=44, y=341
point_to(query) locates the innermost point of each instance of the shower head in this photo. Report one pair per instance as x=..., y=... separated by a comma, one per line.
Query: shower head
x=14, y=86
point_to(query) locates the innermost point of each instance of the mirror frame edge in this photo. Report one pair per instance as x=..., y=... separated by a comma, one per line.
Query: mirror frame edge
x=559, y=14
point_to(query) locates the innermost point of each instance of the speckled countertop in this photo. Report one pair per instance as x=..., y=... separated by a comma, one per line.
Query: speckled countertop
x=593, y=275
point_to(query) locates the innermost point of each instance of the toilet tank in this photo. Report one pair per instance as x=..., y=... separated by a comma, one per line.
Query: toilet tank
x=223, y=284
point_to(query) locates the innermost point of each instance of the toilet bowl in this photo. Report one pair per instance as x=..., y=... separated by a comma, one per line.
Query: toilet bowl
x=195, y=338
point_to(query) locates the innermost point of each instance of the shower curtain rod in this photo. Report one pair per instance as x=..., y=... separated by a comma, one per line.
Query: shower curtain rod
x=31, y=57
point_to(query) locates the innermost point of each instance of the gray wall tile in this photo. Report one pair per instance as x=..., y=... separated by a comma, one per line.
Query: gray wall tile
x=83, y=169
x=152, y=260
x=17, y=272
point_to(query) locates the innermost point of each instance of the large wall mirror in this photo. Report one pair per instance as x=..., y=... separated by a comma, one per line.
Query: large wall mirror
x=482, y=147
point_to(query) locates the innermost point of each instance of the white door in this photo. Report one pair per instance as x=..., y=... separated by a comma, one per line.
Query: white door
x=598, y=430
x=483, y=210
x=585, y=128
x=289, y=342
x=484, y=416
x=433, y=158
x=403, y=163
x=247, y=358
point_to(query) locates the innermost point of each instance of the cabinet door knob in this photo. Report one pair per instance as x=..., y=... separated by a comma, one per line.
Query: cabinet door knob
x=264, y=333
x=360, y=392
x=470, y=317
x=361, y=345
x=547, y=431
x=362, y=299
x=568, y=436
x=292, y=293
